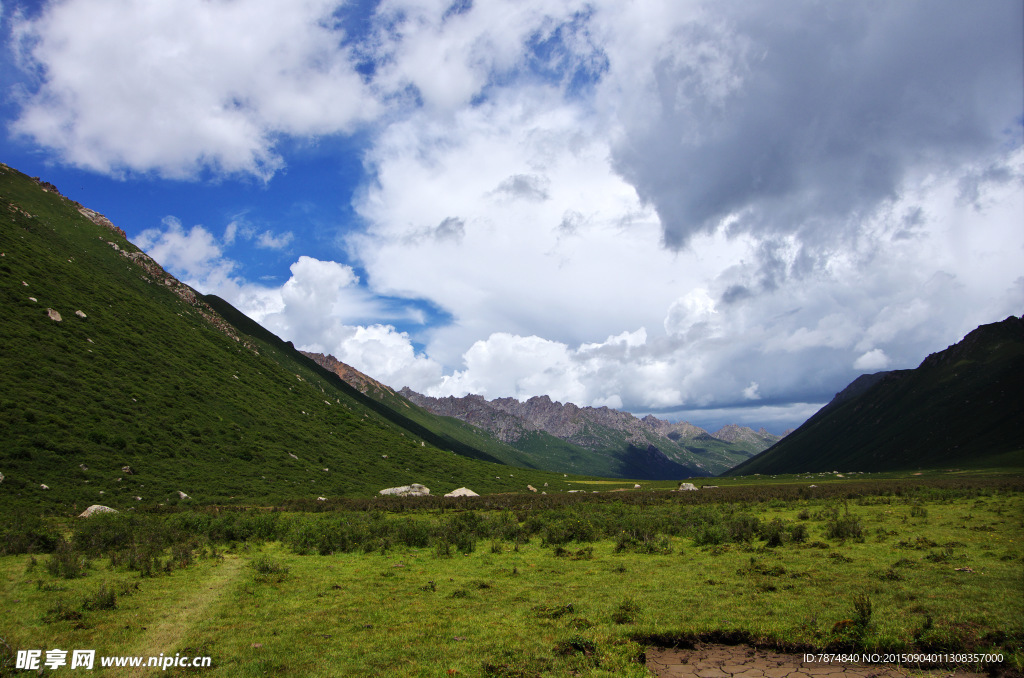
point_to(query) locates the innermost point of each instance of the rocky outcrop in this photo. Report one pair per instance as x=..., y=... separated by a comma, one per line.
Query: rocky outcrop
x=348, y=374
x=462, y=492
x=94, y=509
x=414, y=490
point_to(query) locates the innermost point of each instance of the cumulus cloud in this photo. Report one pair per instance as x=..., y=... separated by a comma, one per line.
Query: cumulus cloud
x=199, y=85
x=735, y=118
x=874, y=359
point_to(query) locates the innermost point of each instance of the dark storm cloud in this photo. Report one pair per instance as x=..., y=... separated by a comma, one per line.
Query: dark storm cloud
x=819, y=110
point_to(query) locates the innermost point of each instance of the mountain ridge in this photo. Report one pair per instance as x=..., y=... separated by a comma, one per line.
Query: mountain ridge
x=601, y=429
x=960, y=407
x=109, y=363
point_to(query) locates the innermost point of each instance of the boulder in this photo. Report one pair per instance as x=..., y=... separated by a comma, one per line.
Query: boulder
x=127, y=470
x=462, y=492
x=414, y=490
x=182, y=495
x=321, y=498
x=44, y=487
x=686, y=487
x=80, y=314
x=636, y=487
x=94, y=509
x=54, y=316
x=531, y=488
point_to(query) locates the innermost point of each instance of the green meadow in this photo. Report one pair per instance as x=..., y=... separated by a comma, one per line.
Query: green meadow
x=527, y=585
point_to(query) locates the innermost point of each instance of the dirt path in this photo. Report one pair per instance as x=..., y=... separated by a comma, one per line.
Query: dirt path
x=743, y=661
x=164, y=632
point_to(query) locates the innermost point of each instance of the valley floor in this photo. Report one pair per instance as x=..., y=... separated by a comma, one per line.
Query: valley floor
x=937, y=570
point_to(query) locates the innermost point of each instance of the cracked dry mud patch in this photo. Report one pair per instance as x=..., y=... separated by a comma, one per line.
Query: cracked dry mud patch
x=744, y=661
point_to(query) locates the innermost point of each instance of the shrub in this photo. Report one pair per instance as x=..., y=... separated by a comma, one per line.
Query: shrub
x=743, y=528
x=103, y=599
x=267, y=570
x=772, y=532
x=627, y=612
x=65, y=562
x=845, y=527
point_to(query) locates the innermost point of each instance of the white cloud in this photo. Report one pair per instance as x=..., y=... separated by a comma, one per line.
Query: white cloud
x=270, y=241
x=197, y=85
x=193, y=254
x=874, y=359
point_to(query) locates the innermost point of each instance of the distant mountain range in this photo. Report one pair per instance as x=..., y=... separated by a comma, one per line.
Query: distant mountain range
x=961, y=407
x=611, y=442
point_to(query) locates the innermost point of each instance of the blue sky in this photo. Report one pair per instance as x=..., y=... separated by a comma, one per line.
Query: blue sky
x=718, y=212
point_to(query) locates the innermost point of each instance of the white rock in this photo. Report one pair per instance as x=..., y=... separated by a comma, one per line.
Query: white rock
x=80, y=314
x=636, y=487
x=44, y=487
x=54, y=316
x=687, y=487
x=462, y=492
x=531, y=488
x=94, y=509
x=182, y=495
x=414, y=490
x=321, y=498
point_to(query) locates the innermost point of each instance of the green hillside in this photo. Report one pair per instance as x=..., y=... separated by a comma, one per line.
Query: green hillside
x=961, y=407
x=184, y=390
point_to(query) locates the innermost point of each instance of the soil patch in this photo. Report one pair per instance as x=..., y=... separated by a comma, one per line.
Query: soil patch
x=708, y=660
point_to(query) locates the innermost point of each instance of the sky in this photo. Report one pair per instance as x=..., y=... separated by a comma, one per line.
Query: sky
x=718, y=212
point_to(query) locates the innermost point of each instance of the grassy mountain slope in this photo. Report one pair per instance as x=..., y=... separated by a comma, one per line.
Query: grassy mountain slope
x=961, y=407
x=184, y=390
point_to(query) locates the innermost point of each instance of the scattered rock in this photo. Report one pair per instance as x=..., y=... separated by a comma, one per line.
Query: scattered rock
x=182, y=495
x=462, y=492
x=33, y=299
x=83, y=467
x=44, y=487
x=531, y=488
x=687, y=487
x=96, y=508
x=127, y=470
x=414, y=490
x=80, y=314
x=545, y=484
x=54, y=316
x=383, y=456
x=635, y=487
x=292, y=455
x=321, y=498
x=137, y=498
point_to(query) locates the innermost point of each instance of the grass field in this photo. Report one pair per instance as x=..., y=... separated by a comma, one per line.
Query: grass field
x=540, y=586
